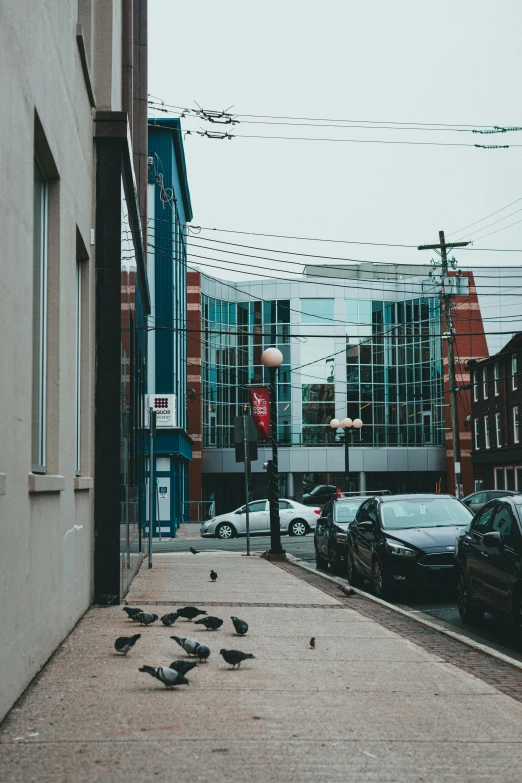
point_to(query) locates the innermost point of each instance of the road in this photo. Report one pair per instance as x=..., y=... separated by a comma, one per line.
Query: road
x=302, y=547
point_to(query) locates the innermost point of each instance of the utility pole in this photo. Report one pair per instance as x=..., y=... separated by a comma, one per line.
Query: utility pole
x=449, y=334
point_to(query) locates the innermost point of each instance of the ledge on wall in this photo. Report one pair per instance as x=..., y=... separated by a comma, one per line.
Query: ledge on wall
x=46, y=483
x=83, y=482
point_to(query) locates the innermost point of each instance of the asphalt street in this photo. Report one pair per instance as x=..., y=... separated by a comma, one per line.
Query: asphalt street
x=302, y=547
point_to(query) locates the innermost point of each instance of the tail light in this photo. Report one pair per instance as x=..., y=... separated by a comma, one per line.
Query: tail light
x=339, y=493
x=317, y=511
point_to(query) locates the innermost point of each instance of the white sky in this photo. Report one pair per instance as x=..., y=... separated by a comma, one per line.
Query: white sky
x=453, y=61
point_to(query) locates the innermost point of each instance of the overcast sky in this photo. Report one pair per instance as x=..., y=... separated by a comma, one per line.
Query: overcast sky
x=453, y=61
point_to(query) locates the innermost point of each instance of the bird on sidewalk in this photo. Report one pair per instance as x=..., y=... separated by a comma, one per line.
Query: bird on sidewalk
x=195, y=551
x=189, y=645
x=312, y=642
x=170, y=618
x=213, y=575
x=210, y=623
x=183, y=666
x=234, y=657
x=132, y=612
x=240, y=626
x=124, y=643
x=169, y=677
x=349, y=591
x=203, y=652
x=189, y=612
x=145, y=618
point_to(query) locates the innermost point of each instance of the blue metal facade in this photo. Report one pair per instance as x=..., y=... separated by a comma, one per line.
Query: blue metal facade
x=169, y=211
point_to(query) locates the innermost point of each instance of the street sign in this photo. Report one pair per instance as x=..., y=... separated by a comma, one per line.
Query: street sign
x=245, y=431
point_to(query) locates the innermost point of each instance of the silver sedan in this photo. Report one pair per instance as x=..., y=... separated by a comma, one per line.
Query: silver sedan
x=296, y=520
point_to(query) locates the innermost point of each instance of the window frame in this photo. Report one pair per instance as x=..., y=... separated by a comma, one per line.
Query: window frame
x=485, y=382
x=514, y=370
x=487, y=440
x=496, y=379
x=40, y=324
x=475, y=386
x=516, y=429
x=476, y=433
x=498, y=429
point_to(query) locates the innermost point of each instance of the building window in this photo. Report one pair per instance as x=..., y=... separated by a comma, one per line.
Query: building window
x=317, y=311
x=478, y=485
x=495, y=377
x=515, y=425
x=499, y=478
x=485, y=382
x=475, y=386
x=497, y=428
x=78, y=365
x=514, y=371
x=476, y=433
x=486, y=432
x=39, y=390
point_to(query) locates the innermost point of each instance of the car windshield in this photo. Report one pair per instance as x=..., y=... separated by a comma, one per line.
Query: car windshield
x=346, y=511
x=424, y=512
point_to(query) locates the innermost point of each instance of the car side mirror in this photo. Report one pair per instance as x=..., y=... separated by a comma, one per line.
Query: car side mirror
x=365, y=527
x=493, y=539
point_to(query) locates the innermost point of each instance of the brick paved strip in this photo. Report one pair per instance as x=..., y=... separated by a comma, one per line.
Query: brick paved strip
x=499, y=675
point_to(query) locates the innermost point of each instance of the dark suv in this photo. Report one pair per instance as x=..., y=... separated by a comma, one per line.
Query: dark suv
x=489, y=563
x=330, y=533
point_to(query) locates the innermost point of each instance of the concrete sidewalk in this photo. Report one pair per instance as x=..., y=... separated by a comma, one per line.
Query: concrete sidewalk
x=376, y=700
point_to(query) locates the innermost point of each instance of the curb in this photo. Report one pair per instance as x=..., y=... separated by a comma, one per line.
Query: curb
x=452, y=634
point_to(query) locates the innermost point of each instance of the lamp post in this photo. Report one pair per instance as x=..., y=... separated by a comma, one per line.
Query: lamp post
x=346, y=424
x=272, y=359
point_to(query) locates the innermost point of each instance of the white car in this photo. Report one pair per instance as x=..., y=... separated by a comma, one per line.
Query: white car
x=296, y=520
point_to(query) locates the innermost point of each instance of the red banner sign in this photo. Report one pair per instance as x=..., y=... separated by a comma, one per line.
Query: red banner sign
x=260, y=409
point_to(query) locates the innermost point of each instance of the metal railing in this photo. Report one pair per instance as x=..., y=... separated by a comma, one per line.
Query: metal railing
x=198, y=510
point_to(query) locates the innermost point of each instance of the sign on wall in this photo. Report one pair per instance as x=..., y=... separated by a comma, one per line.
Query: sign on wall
x=165, y=407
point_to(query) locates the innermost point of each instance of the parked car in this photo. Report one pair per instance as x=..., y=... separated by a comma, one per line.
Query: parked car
x=489, y=563
x=331, y=533
x=296, y=520
x=405, y=540
x=478, y=500
x=320, y=494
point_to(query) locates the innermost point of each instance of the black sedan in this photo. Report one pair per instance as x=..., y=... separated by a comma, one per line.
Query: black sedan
x=405, y=541
x=478, y=500
x=331, y=531
x=320, y=495
x=489, y=563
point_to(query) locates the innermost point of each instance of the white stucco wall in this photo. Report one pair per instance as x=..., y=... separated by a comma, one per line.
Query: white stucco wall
x=46, y=537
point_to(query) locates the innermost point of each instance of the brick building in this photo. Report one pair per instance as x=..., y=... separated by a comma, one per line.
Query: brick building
x=496, y=395
x=194, y=395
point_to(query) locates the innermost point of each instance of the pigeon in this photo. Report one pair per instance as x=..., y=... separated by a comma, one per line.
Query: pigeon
x=213, y=575
x=210, y=623
x=194, y=551
x=132, y=612
x=203, y=652
x=312, y=642
x=169, y=677
x=349, y=591
x=170, y=618
x=145, y=618
x=183, y=666
x=234, y=657
x=189, y=612
x=124, y=643
x=240, y=626
x=189, y=645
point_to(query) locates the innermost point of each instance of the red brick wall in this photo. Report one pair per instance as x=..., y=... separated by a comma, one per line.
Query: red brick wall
x=195, y=411
x=470, y=343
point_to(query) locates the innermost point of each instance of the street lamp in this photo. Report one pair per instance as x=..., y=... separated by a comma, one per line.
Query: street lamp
x=272, y=358
x=346, y=424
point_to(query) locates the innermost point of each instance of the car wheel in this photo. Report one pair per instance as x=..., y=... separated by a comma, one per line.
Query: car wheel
x=381, y=584
x=355, y=578
x=469, y=613
x=298, y=528
x=225, y=530
x=320, y=562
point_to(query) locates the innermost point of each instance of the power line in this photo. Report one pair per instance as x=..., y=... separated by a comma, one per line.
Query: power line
x=469, y=225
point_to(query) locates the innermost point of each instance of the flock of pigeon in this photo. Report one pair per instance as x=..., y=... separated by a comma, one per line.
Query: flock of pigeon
x=174, y=674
